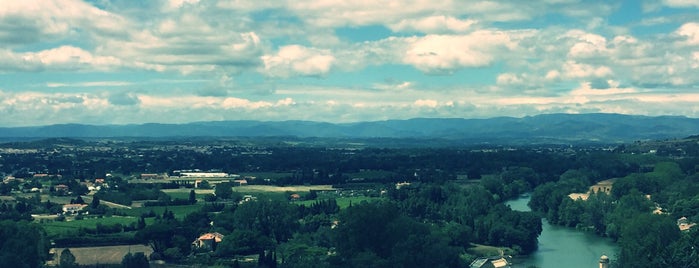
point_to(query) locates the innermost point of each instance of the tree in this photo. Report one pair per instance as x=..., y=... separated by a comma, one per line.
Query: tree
x=78, y=200
x=646, y=239
x=224, y=190
x=67, y=259
x=136, y=260
x=158, y=236
x=192, y=197
x=23, y=244
x=95, y=202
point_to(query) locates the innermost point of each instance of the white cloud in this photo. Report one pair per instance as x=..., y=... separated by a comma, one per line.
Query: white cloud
x=681, y=3
x=426, y=103
x=433, y=24
x=587, y=45
x=61, y=58
x=446, y=53
x=29, y=21
x=690, y=31
x=298, y=60
x=572, y=69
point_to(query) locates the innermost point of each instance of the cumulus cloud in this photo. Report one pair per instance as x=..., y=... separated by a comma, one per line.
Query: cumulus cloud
x=295, y=59
x=434, y=25
x=523, y=62
x=690, y=31
x=443, y=54
x=61, y=58
x=24, y=22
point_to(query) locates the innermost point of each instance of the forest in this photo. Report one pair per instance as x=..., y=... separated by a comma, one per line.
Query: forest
x=386, y=207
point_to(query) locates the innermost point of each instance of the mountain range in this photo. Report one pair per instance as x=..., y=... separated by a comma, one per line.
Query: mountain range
x=545, y=128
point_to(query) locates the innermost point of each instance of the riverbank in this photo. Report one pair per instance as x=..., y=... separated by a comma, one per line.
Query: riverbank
x=563, y=247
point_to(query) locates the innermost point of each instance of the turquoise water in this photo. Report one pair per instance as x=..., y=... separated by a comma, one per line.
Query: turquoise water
x=564, y=247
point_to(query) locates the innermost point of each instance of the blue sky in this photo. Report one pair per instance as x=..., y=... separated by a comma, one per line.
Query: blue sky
x=176, y=61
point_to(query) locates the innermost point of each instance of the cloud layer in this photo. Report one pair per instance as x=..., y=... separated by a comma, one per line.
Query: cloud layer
x=116, y=62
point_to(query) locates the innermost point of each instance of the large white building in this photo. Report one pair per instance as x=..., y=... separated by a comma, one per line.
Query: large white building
x=207, y=175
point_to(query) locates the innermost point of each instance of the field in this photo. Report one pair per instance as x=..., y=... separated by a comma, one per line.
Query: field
x=55, y=228
x=282, y=189
x=103, y=255
x=183, y=193
x=485, y=250
x=259, y=191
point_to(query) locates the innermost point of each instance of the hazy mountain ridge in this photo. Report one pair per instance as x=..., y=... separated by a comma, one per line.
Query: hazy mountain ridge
x=548, y=127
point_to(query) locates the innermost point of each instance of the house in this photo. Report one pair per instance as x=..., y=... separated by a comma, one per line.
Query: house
x=247, y=198
x=401, y=185
x=61, y=189
x=684, y=224
x=208, y=241
x=295, y=197
x=73, y=208
x=490, y=262
x=240, y=182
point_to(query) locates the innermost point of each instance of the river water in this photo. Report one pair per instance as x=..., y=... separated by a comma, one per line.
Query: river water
x=564, y=247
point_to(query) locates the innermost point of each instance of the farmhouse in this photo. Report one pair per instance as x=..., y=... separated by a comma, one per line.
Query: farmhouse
x=208, y=241
x=492, y=262
x=73, y=208
x=604, y=186
x=684, y=224
x=61, y=189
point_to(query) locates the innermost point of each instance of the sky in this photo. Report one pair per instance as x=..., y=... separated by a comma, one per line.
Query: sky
x=177, y=61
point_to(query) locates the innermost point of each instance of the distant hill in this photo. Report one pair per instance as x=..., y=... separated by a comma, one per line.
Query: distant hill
x=548, y=128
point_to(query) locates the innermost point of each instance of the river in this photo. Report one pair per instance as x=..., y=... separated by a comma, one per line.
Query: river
x=564, y=247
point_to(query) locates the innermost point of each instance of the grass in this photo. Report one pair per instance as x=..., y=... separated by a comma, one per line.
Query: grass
x=104, y=255
x=183, y=193
x=485, y=250
x=55, y=228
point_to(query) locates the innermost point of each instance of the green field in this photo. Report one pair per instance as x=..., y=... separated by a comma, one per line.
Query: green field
x=183, y=193
x=61, y=227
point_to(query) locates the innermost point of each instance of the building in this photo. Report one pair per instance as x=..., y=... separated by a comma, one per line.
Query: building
x=207, y=175
x=490, y=262
x=73, y=208
x=684, y=224
x=604, y=261
x=208, y=241
x=61, y=189
x=604, y=186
